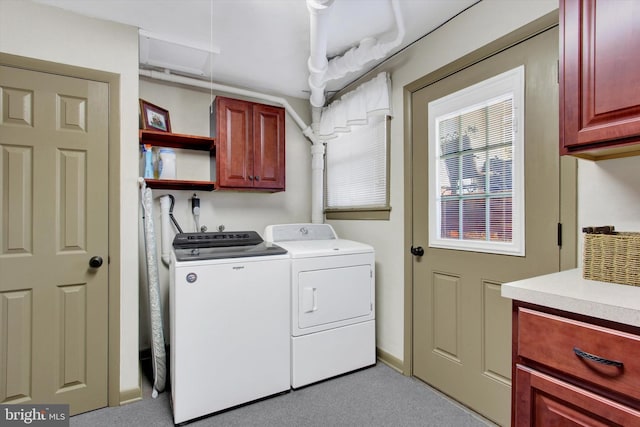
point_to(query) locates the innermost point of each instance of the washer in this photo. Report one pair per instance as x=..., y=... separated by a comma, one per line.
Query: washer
x=332, y=301
x=229, y=318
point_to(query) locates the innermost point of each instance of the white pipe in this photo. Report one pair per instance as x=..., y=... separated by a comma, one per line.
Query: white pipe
x=317, y=181
x=165, y=224
x=318, y=63
x=316, y=114
x=173, y=78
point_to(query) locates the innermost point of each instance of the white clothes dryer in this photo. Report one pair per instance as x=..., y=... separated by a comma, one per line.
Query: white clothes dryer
x=332, y=301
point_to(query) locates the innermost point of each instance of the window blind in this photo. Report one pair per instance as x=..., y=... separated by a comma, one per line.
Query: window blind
x=476, y=174
x=356, y=166
x=475, y=179
x=355, y=130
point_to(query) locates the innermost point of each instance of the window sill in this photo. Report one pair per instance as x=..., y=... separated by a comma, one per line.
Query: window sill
x=376, y=213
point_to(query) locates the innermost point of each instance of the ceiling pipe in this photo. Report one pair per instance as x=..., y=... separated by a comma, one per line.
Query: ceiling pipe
x=188, y=81
x=321, y=70
x=368, y=49
x=318, y=63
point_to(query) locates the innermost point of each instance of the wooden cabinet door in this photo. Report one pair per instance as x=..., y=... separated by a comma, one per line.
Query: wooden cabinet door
x=599, y=78
x=542, y=400
x=234, y=145
x=250, y=146
x=268, y=147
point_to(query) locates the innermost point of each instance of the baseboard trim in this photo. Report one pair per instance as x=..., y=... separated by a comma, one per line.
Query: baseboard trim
x=130, y=396
x=389, y=360
x=133, y=394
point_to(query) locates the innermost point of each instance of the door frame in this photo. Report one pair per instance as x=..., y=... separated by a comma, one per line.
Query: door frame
x=568, y=174
x=113, y=263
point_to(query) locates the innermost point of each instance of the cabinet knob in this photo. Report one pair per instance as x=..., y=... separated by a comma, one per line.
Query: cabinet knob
x=257, y=178
x=250, y=177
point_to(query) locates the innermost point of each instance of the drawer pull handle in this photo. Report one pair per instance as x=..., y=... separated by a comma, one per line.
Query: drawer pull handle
x=593, y=357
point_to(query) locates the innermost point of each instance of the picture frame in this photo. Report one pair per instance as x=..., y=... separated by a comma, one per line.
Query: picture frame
x=154, y=117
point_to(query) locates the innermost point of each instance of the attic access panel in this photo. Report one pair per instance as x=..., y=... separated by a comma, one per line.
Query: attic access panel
x=156, y=51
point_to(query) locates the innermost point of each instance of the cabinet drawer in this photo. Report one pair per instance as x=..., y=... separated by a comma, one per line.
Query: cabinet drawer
x=550, y=340
x=547, y=401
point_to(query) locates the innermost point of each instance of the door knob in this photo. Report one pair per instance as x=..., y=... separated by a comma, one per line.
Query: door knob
x=95, y=262
x=417, y=251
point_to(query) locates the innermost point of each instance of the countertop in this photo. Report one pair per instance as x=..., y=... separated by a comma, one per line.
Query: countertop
x=568, y=291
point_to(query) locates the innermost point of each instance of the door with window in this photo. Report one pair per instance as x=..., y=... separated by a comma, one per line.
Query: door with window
x=486, y=208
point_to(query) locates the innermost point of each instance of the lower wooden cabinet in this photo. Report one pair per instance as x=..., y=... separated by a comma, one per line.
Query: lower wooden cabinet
x=544, y=400
x=572, y=370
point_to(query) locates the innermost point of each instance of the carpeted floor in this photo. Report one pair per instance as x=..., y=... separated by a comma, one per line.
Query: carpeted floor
x=376, y=396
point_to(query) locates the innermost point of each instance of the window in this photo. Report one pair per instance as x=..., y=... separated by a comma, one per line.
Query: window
x=356, y=168
x=355, y=129
x=476, y=174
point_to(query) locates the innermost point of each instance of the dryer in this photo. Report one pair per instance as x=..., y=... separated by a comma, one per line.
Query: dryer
x=332, y=301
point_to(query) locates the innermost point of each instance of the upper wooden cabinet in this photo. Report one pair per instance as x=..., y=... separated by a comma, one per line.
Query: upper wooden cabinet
x=599, y=78
x=250, y=145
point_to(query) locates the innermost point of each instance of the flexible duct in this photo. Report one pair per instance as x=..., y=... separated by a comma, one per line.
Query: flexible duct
x=158, y=355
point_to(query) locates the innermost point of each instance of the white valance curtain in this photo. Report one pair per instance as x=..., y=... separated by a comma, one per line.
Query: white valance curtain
x=356, y=157
x=372, y=98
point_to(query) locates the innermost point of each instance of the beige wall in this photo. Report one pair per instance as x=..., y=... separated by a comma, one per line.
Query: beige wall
x=189, y=113
x=46, y=33
x=608, y=194
x=478, y=26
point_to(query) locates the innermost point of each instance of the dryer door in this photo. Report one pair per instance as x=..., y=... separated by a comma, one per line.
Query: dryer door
x=332, y=297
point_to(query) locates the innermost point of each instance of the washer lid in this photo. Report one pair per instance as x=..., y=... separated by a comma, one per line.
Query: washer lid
x=211, y=253
x=218, y=239
x=319, y=248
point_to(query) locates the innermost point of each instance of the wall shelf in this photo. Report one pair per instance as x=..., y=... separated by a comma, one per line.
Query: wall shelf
x=176, y=140
x=173, y=184
x=186, y=142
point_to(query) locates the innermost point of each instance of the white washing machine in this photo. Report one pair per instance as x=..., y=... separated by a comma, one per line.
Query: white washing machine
x=332, y=301
x=229, y=316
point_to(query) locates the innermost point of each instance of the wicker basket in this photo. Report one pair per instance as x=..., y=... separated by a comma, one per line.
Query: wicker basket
x=612, y=258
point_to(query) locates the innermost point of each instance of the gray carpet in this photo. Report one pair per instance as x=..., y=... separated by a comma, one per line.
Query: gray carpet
x=376, y=396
